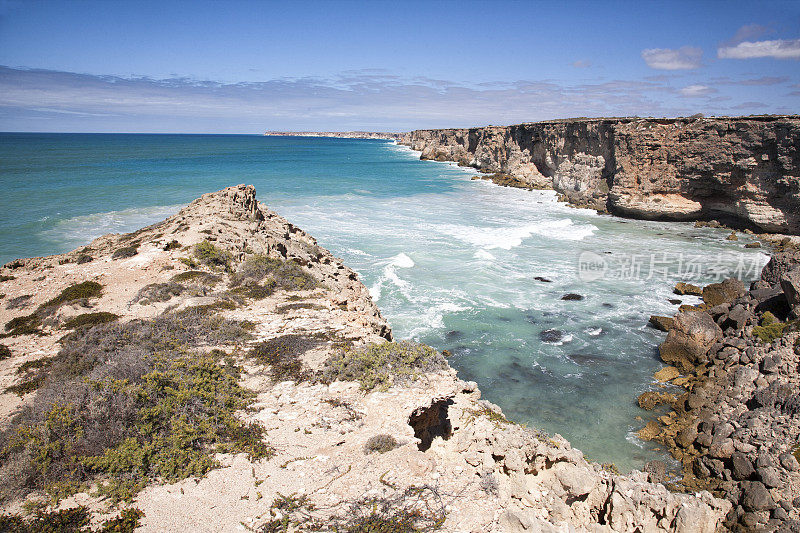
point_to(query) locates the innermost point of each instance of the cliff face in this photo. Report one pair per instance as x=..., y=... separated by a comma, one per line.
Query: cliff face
x=742, y=171
x=337, y=134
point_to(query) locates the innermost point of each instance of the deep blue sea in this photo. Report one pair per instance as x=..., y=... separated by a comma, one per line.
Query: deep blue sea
x=450, y=261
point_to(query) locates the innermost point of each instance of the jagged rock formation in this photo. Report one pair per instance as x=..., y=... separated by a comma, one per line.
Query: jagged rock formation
x=736, y=429
x=744, y=172
x=456, y=454
x=337, y=134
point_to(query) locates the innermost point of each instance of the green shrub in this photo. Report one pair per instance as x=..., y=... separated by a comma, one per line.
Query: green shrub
x=79, y=291
x=25, y=387
x=90, y=319
x=84, y=258
x=75, y=519
x=4, y=277
x=254, y=269
x=380, y=444
x=158, y=292
x=172, y=245
x=256, y=291
x=212, y=256
x=770, y=329
x=5, y=352
x=24, y=325
x=292, y=277
x=282, y=355
x=125, y=252
x=382, y=365
x=196, y=276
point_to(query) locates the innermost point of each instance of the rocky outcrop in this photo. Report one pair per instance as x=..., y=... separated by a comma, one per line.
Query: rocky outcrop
x=454, y=457
x=736, y=429
x=744, y=171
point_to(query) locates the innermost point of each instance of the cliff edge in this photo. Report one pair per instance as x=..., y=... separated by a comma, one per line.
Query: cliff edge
x=744, y=172
x=220, y=370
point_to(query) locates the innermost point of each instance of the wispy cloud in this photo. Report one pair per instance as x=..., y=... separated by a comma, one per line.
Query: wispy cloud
x=694, y=91
x=582, y=63
x=374, y=100
x=684, y=58
x=778, y=49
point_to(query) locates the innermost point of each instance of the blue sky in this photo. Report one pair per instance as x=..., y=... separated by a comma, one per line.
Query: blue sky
x=246, y=67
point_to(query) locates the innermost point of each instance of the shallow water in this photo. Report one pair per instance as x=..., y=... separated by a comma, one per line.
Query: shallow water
x=450, y=261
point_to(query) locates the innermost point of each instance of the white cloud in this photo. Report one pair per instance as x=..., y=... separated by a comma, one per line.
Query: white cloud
x=779, y=49
x=693, y=91
x=684, y=58
x=582, y=63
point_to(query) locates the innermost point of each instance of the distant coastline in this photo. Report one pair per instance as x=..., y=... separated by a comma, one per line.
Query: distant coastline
x=337, y=134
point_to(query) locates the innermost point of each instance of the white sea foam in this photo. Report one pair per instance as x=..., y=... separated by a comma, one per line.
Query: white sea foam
x=512, y=236
x=401, y=260
x=484, y=254
x=82, y=229
x=594, y=332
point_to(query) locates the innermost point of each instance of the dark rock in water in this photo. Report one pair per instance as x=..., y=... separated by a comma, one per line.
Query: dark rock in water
x=551, y=335
x=675, y=301
x=661, y=323
x=606, y=304
x=572, y=297
x=724, y=292
x=753, y=245
x=453, y=335
x=543, y=280
x=687, y=288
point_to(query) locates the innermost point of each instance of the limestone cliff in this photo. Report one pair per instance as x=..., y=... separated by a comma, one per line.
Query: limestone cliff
x=742, y=171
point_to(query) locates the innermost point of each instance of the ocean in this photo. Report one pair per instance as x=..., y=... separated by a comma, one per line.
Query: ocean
x=463, y=265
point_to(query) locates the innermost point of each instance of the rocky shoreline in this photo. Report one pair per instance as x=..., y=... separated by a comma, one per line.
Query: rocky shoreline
x=341, y=427
x=736, y=428
x=742, y=171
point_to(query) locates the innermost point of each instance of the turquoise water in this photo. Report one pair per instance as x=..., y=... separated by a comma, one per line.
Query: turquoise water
x=450, y=261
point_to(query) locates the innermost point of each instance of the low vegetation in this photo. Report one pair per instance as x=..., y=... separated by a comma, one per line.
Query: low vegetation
x=125, y=252
x=72, y=520
x=275, y=274
x=18, y=302
x=415, y=509
x=212, y=256
x=31, y=324
x=83, y=259
x=5, y=352
x=196, y=276
x=380, y=444
x=172, y=245
x=158, y=292
x=382, y=365
x=129, y=404
x=770, y=329
x=90, y=319
x=283, y=356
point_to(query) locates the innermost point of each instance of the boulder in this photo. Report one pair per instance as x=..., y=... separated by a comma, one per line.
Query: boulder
x=737, y=317
x=756, y=497
x=790, y=283
x=723, y=292
x=779, y=264
x=742, y=467
x=689, y=341
x=661, y=323
x=650, y=399
x=668, y=373
x=682, y=288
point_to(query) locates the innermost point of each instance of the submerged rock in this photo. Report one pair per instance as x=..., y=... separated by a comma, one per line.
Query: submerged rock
x=551, y=335
x=572, y=297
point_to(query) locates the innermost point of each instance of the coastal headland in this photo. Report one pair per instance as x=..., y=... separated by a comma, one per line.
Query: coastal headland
x=741, y=171
x=220, y=370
